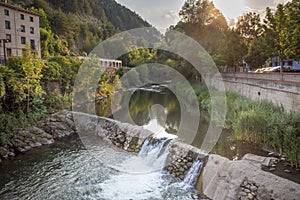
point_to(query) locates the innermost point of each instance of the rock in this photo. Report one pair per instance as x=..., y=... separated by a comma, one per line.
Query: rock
x=243, y=193
x=272, y=169
x=44, y=141
x=181, y=169
x=189, y=158
x=253, y=188
x=37, y=144
x=21, y=150
x=287, y=171
x=250, y=196
x=32, y=144
x=247, y=190
x=121, y=138
x=11, y=154
x=27, y=148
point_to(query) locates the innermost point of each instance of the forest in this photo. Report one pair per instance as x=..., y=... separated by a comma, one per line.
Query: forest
x=75, y=27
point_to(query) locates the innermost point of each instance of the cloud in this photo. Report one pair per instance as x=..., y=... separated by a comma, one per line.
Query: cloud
x=262, y=4
x=171, y=15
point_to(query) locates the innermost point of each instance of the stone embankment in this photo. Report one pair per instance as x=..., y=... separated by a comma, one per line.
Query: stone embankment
x=43, y=133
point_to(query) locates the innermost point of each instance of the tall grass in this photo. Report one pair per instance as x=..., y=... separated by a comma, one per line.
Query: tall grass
x=259, y=122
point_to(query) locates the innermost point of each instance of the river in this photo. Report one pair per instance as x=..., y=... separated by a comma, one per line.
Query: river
x=66, y=170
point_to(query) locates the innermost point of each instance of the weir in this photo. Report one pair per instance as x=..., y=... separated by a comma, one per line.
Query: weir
x=192, y=176
x=221, y=178
x=182, y=161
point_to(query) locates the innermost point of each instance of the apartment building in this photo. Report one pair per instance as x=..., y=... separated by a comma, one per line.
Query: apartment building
x=18, y=27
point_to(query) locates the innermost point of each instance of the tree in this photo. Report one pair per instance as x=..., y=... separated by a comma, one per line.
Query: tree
x=32, y=67
x=233, y=49
x=293, y=29
x=249, y=26
x=201, y=20
x=258, y=52
x=281, y=32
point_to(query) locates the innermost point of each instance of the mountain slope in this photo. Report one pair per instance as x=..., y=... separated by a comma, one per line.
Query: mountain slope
x=83, y=24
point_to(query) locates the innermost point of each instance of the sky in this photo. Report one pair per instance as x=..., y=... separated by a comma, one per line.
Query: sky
x=163, y=13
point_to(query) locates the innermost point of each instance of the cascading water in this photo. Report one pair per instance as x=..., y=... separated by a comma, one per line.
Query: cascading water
x=192, y=175
x=154, y=152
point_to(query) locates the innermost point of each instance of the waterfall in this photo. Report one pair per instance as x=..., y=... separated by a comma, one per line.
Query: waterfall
x=190, y=179
x=154, y=152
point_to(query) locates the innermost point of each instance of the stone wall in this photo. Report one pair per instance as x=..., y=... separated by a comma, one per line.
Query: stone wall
x=244, y=179
x=280, y=89
x=131, y=138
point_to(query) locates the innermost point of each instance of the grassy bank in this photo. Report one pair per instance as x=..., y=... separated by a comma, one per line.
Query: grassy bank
x=259, y=122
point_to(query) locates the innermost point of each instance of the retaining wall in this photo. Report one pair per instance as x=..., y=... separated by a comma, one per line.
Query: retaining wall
x=282, y=89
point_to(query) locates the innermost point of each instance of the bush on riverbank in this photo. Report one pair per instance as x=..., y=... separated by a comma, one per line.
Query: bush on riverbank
x=23, y=97
x=259, y=122
x=266, y=124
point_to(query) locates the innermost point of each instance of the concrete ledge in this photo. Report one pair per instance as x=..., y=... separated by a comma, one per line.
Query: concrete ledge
x=244, y=179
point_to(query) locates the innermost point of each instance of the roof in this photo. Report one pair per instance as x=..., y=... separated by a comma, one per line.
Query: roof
x=19, y=9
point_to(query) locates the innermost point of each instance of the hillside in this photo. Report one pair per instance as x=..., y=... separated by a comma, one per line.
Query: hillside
x=81, y=25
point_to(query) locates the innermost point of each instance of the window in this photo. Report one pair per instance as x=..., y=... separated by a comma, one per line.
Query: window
x=7, y=24
x=8, y=52
x=23, y=40
x=6, y=12
x=31, y=30
x=31, y=19
x=32, y=44
x=22, y=16
x=8, y=37
x=23, y=28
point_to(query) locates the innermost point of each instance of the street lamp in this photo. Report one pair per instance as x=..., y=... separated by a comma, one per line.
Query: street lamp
x=4, y=41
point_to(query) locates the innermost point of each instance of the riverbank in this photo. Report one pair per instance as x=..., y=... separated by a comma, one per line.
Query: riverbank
x=258, y=122
x=221, y=177
x=43, y=132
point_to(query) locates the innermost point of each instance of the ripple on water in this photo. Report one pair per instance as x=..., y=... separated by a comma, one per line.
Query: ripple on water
x=65, y=170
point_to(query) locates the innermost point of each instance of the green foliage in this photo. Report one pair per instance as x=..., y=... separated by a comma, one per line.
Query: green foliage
x=201, y=20
x=68, y=70
x=233, y=49
x=32, y=67
x=51, y=71
x=264, y=123
x=259, y=122
x=249, y=26
x=80, y=25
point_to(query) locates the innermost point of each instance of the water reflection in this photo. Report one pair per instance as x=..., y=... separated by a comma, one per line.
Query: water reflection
x=159, y=111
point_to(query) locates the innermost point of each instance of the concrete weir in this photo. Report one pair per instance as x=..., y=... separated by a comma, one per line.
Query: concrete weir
x=221, y=178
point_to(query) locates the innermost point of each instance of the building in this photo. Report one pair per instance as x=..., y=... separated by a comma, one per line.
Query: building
x=106, y=63
x=110, y=63
x=18, y=27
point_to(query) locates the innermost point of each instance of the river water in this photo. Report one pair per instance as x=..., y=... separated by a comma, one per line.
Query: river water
x=66, y=170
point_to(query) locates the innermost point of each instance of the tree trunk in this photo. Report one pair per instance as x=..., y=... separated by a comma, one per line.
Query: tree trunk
x=281, y=65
